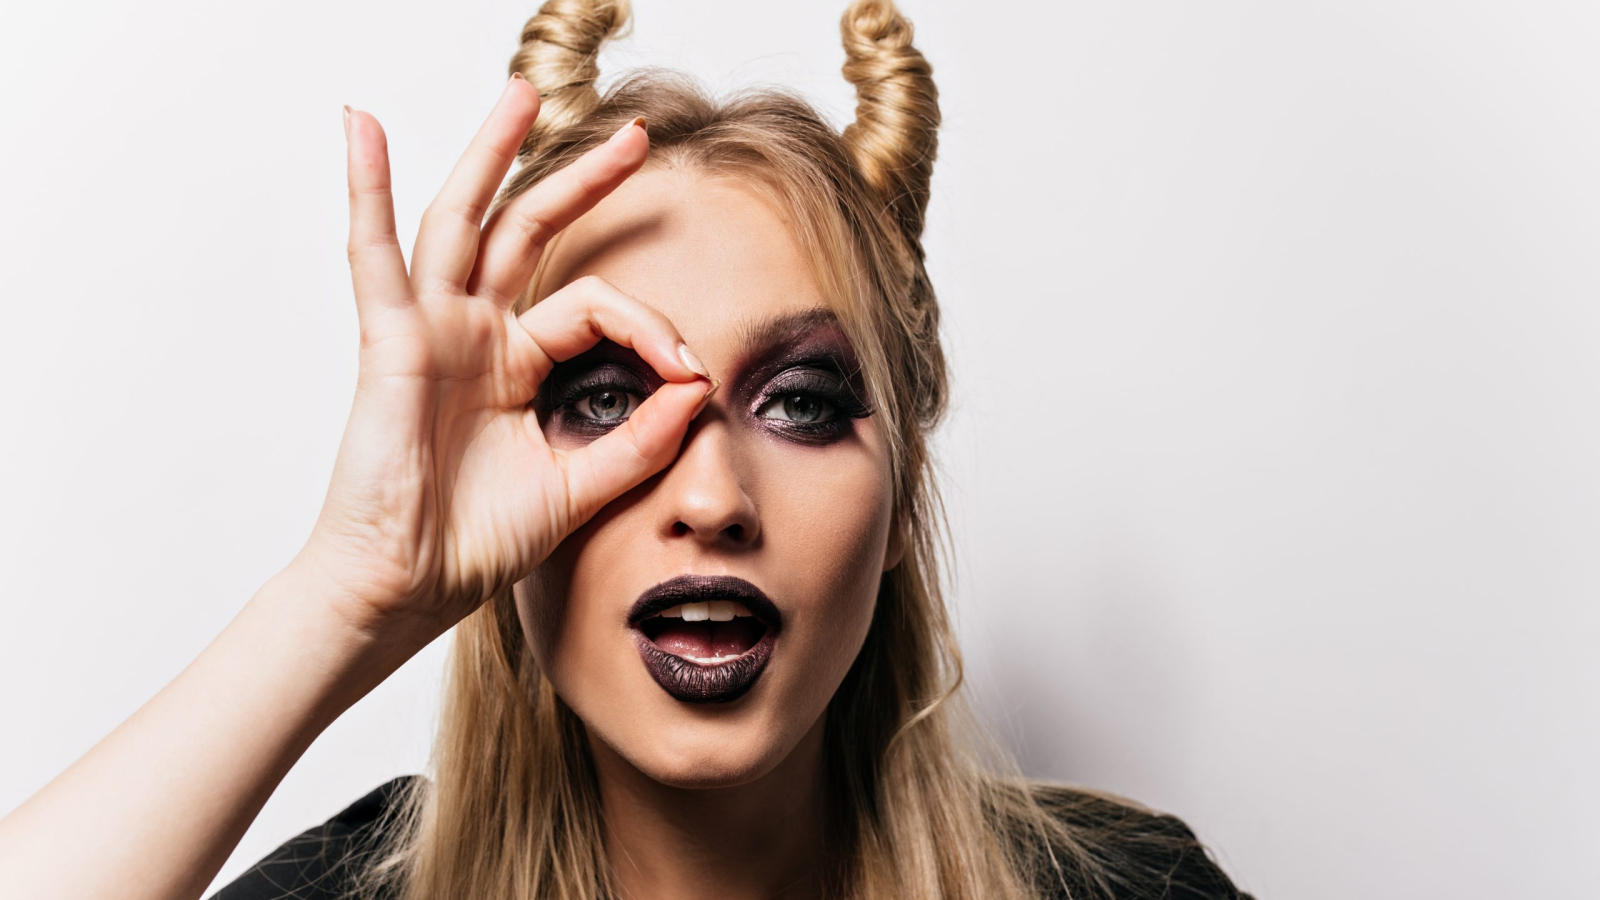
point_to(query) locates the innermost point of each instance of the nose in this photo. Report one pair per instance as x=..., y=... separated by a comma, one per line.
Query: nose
x=704, y=491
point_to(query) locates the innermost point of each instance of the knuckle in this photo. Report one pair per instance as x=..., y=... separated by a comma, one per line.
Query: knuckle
x=588, y=182
x=535, y=229
x=378, y=190
x=592, y=285
x=504, y=156
x=434, y=285
x=448, y=210
x=365, y=244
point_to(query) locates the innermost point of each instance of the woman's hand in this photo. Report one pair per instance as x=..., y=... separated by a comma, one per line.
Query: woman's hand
x=444, y=490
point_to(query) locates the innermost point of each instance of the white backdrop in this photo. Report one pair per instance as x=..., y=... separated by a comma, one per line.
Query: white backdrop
x=1275, y=462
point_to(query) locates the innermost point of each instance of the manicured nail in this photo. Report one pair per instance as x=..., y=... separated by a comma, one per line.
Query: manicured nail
x=637, y=120
x=691, y=361
x=347, y=121
x=715, y=383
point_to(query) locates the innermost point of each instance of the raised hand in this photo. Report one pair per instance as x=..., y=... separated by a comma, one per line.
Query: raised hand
x=444, y=489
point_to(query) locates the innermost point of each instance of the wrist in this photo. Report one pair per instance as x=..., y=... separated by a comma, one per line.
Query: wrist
x=365, y=620
x=357, y=652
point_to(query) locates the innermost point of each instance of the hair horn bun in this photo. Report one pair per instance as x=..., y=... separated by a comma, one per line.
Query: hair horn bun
x=560, y=57
x=894, y=137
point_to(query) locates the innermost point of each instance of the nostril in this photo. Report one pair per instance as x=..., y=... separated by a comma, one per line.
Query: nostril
x=736, y=531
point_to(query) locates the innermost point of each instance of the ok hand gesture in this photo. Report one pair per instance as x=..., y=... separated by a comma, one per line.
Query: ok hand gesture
x=444, y=489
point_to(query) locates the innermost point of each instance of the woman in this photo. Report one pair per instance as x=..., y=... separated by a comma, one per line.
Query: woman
x=652, y=438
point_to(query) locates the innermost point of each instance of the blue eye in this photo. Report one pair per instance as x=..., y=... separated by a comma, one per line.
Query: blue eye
x=607, y=405
x=594, y=401
x=799, y=407
x=812, y=404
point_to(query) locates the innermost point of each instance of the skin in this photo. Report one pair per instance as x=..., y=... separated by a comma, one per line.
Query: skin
x=422, y=523
x=713, y=799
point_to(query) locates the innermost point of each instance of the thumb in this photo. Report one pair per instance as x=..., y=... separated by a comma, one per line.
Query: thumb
x=633, y=451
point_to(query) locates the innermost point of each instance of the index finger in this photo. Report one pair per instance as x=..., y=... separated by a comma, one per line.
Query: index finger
x=447, y=239
x=517, y=233
x=579, y=315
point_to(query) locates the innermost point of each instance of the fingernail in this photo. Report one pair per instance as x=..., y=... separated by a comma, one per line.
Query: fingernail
x=692, y=361
x=347, y=121
x=517, y=76
x=715, y=383
x=637, y=120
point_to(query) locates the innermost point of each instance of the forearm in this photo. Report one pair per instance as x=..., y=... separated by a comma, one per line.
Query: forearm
x=154, y=809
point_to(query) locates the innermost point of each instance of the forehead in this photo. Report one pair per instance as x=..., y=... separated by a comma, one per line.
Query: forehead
x=713, y=255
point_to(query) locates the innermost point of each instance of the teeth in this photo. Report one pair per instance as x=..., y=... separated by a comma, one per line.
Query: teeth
x=710, y=610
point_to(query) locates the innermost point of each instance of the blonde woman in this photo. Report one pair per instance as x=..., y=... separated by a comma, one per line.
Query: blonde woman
x=648, y=430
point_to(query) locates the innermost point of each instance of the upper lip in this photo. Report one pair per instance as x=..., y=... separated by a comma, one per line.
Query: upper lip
x=700, y=588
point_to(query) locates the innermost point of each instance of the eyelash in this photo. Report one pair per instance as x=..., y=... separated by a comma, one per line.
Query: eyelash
x=810, y=383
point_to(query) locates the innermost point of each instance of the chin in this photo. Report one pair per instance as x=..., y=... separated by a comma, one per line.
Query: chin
x=689, y=747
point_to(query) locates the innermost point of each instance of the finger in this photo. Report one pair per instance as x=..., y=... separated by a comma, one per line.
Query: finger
x=447, y=238
x=508, y=251
x=577, y=316
x=601, y=471
x=376, y=265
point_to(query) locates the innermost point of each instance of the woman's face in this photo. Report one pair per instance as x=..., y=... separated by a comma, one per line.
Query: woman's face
x=783, y=481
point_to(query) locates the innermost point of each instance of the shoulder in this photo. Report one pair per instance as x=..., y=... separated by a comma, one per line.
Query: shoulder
x=1120, y=849
x=318, y=863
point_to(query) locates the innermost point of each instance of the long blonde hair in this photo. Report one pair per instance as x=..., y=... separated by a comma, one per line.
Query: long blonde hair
x=922, y=804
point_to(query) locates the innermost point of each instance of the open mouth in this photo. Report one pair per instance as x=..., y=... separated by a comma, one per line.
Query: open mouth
x=711, y=632
x=705, y=639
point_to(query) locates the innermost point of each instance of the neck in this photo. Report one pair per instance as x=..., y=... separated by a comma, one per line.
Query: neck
x=762, y=839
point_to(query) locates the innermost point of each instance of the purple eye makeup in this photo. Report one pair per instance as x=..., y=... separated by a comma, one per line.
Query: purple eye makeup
x=801, y=385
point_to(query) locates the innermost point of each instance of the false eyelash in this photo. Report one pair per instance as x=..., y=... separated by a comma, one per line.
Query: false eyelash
x=594, y=381
x=817, y=376
x=809, y=383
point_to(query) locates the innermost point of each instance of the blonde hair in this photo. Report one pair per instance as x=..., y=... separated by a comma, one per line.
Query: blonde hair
x=922, y=804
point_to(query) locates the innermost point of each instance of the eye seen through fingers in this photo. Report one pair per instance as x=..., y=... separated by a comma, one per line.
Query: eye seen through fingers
x=810, y=402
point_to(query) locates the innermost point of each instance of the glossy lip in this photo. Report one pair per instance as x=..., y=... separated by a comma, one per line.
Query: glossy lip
x=694, y=682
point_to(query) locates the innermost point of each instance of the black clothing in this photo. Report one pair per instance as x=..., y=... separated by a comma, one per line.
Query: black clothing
x=319, y=863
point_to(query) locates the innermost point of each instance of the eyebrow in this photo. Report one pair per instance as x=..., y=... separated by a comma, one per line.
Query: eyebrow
x=771, y=331
x=754, y=337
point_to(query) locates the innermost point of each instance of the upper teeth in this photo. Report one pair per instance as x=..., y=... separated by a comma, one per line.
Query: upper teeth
x=714, y=610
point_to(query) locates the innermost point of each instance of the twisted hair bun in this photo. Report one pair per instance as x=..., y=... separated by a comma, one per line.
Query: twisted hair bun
x=559, y=56
x=892, y=141
x=895, y=135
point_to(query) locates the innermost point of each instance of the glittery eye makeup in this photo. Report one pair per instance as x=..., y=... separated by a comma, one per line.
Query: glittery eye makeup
x=810, y=400
x=800, y=384
x=591, y=399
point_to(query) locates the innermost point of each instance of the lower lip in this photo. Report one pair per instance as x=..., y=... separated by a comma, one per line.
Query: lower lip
x=693, y=682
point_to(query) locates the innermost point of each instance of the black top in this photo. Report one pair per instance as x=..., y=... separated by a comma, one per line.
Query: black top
x=317, y=864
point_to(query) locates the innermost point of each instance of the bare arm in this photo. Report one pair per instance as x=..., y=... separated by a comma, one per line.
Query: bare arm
x=154, y=809
x=419, y=527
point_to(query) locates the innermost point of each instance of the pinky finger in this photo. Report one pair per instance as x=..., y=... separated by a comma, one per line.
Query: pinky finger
x=638, y=448
x=377, y=266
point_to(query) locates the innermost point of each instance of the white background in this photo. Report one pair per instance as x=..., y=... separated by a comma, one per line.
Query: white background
x=1275, y=462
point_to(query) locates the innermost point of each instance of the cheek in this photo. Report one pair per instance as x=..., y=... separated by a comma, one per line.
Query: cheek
x=560, y=603
x=827, y=516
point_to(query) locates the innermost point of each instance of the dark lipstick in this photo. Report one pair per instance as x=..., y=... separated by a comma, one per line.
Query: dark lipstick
x=701, y=682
